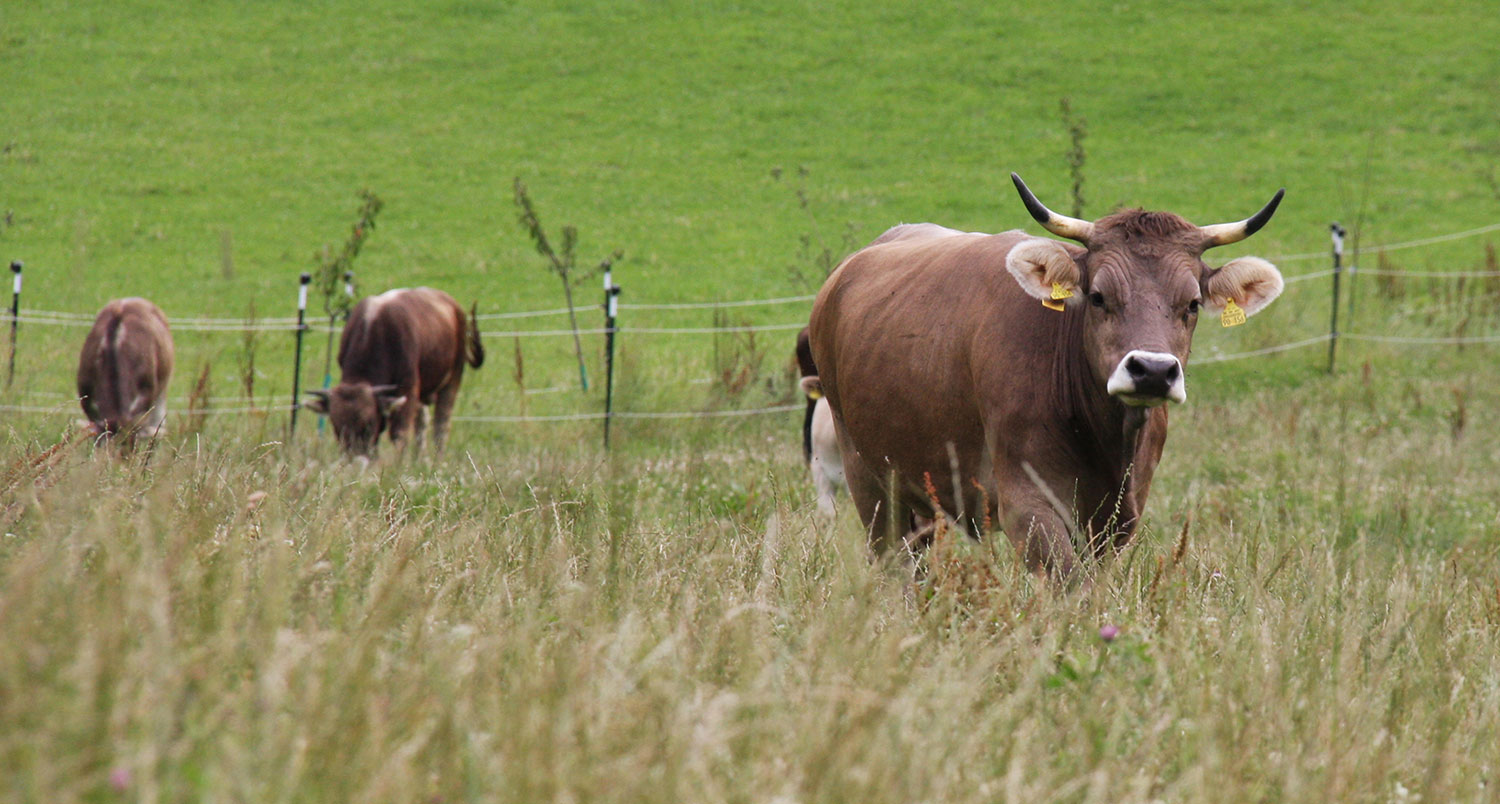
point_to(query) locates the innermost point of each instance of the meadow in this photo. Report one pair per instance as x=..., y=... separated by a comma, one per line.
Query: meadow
x=1310, y=610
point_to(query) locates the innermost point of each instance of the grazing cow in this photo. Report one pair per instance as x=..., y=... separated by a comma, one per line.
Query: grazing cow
x=1032, y=371
x=400, y=350
x=124, y=369
x=820, y=446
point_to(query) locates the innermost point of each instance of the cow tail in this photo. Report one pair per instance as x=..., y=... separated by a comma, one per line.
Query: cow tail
x=476, y=348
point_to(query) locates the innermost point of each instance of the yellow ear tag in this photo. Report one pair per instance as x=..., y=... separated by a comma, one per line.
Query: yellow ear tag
x=1232, y=316
x=815, y=395
x=1058, y=294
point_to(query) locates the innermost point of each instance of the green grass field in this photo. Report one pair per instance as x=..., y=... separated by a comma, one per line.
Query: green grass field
x=1310, y=612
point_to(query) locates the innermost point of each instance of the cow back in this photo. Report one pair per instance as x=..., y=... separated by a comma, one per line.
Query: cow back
x=411, y=338
x=126, y=363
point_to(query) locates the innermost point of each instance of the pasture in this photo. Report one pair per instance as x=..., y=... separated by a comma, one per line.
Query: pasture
x=1309, y=612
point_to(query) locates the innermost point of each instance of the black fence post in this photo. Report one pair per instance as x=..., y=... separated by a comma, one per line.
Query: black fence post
x=297, y=368
x=611, y=311
x=15, y=319
x=1338, y=233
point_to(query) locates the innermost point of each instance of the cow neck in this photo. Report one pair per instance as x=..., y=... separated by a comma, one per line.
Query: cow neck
x=1105, y=429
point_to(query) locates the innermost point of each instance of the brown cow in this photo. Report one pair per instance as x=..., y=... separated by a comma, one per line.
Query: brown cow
x=400, y=350
x=124, y=369
x=934, y=345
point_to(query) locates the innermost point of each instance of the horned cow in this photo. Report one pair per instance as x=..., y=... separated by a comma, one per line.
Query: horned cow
x=400, y=350
x=124, y=368
x=1041, y=367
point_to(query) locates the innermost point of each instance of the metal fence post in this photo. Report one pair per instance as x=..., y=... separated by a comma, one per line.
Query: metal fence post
x=15, y=319
x=611, y=311
x=297, y=368
x=1337, y=233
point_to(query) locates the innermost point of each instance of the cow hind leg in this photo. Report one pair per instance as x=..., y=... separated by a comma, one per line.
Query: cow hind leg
x=403, y=422
x=442, y=412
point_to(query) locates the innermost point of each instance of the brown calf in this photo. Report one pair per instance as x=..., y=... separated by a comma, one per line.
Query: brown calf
x=124, y=369
x=400, y=350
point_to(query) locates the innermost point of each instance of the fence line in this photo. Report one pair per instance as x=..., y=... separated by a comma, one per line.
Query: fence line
x=210, y=324
x=534, y=333
x=193, y=320
x=1434, y=341
x=1292, y=280
x=213, y=400
x=680, y=414
x=527, y=313
x=1426, y=241
x=1285, y=347
x=66, y=409
x=62, y=410
x=1428, y=274
x=716, y=305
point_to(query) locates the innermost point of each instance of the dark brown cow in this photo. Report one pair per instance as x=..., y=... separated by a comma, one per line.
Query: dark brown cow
x=124, y=369
x=400, y=350
x=933, y=344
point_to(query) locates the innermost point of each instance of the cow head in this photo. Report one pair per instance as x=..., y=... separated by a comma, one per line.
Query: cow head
x=1140, y=284
x=359, y=413
x=107, y=418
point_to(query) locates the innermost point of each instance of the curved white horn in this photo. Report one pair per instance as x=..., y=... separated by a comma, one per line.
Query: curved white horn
x=1060, y=225
x=1222, y=234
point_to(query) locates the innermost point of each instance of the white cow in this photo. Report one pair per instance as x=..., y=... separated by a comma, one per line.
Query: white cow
x=822, y=446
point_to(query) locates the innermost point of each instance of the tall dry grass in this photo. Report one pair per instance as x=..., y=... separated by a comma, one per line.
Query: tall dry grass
x=230, y=618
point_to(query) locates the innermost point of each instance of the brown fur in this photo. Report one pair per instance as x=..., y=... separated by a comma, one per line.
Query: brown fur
x=924, y=339
x=399, y=351
x=124, y=368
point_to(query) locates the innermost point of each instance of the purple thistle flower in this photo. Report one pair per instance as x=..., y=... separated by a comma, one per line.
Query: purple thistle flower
x=119, y=779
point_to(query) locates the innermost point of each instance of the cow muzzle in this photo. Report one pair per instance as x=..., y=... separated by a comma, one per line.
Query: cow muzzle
x=1147, y=379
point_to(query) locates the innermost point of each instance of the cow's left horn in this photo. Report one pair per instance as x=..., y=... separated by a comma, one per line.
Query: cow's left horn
x=1060, y=225
x=1222, y=234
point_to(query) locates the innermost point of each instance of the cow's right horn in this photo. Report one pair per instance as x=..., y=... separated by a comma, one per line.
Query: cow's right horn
x=1060, y=225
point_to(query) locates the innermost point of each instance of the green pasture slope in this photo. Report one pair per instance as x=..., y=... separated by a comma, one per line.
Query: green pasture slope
x=1310, y=613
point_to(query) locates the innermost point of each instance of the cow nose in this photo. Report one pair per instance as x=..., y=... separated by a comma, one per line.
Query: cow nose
x=1148, y=378
x=1153, y=374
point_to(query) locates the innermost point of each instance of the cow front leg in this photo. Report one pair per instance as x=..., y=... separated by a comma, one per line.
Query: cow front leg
x=1040, y=533
x=403, y=421
x=419, y=429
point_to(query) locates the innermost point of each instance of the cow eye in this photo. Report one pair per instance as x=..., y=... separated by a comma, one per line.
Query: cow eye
x=1193, y=307
x=1097, y=299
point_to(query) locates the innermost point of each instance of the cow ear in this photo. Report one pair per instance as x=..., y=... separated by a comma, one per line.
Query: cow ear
x=1251, y=282
x=812, y=387
x=317, y=402
x=1045, y=270
x=389, y=403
